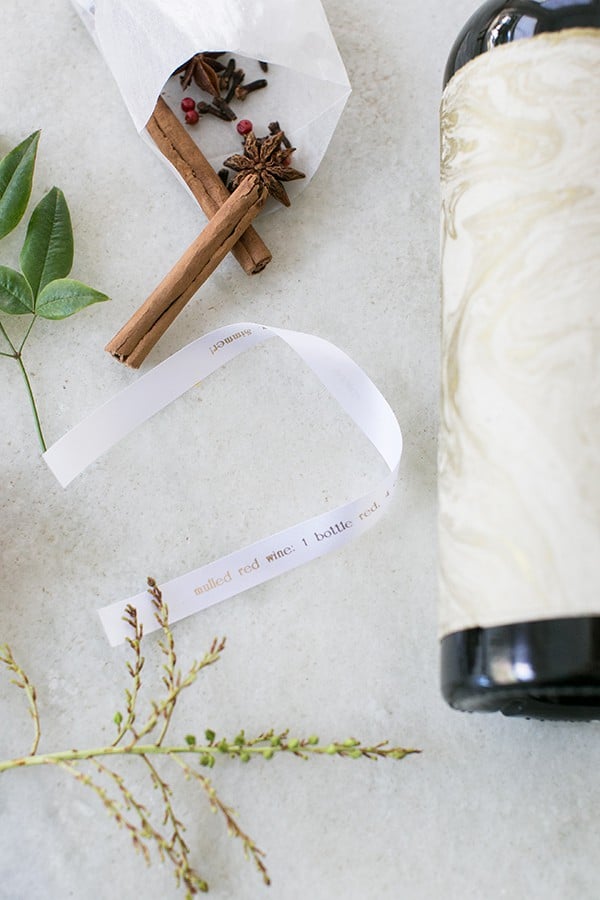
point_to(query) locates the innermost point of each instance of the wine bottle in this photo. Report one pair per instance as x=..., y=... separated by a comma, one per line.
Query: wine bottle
x=519, y=459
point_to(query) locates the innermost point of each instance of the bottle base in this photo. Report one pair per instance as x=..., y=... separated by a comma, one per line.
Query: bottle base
x=538, y=670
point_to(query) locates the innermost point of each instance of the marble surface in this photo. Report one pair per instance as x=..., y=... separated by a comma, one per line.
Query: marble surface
x=345, y=646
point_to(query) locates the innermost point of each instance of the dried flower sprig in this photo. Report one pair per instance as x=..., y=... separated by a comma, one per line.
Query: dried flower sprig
x=22, y=681
x=145, y=739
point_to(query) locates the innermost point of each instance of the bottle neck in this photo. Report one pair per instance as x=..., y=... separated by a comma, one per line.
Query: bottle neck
x=497, y=23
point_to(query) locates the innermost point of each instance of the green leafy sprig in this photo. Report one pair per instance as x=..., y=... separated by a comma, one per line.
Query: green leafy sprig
x=144, y=738
x=41, y=289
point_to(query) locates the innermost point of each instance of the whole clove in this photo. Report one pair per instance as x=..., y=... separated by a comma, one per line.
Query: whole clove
x=224, y=108
x=242, y=90
x=274, y=128
x=215, y=64
x=225, y=78
x=236, y=80
x=206, y=109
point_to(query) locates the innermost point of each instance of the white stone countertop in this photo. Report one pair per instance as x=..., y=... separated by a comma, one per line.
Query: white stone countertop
x=346, y=645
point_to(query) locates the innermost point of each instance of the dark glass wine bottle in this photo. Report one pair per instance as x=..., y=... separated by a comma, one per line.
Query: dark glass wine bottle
x=496, y=23
x=546, y=668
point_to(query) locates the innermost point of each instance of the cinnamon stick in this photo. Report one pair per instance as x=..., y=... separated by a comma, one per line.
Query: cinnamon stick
x=139, y=335
x=175, y=143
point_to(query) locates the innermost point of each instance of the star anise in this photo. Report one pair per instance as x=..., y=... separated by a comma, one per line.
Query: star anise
x=200, y=68
x=268, y=161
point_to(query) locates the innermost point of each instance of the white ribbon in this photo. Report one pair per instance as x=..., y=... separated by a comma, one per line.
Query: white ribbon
x=273, y=555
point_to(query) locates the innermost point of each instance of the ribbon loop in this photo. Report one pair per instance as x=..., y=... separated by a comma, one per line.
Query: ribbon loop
x=273, y=555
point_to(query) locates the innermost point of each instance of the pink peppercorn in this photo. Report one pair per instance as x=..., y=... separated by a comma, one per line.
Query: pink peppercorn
x=244, y=126
x=188, y=104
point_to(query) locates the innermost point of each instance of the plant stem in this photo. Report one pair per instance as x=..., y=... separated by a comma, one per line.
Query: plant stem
x=16, y=355
x=27, y=333
x=8, y=341
x=44, y=759
x=38, y=424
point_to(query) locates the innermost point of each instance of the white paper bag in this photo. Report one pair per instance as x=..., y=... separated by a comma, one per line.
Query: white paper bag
x=145, y=41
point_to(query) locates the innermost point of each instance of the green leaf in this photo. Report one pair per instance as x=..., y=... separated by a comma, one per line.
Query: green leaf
x=16, y=178
x=16, y=298
x=65, y=297
x=47, y=253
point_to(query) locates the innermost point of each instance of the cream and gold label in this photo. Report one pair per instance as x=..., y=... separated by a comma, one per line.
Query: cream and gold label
x=519, y=458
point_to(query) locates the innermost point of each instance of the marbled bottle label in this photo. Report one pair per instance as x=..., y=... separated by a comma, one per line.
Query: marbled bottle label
x=519, y=459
